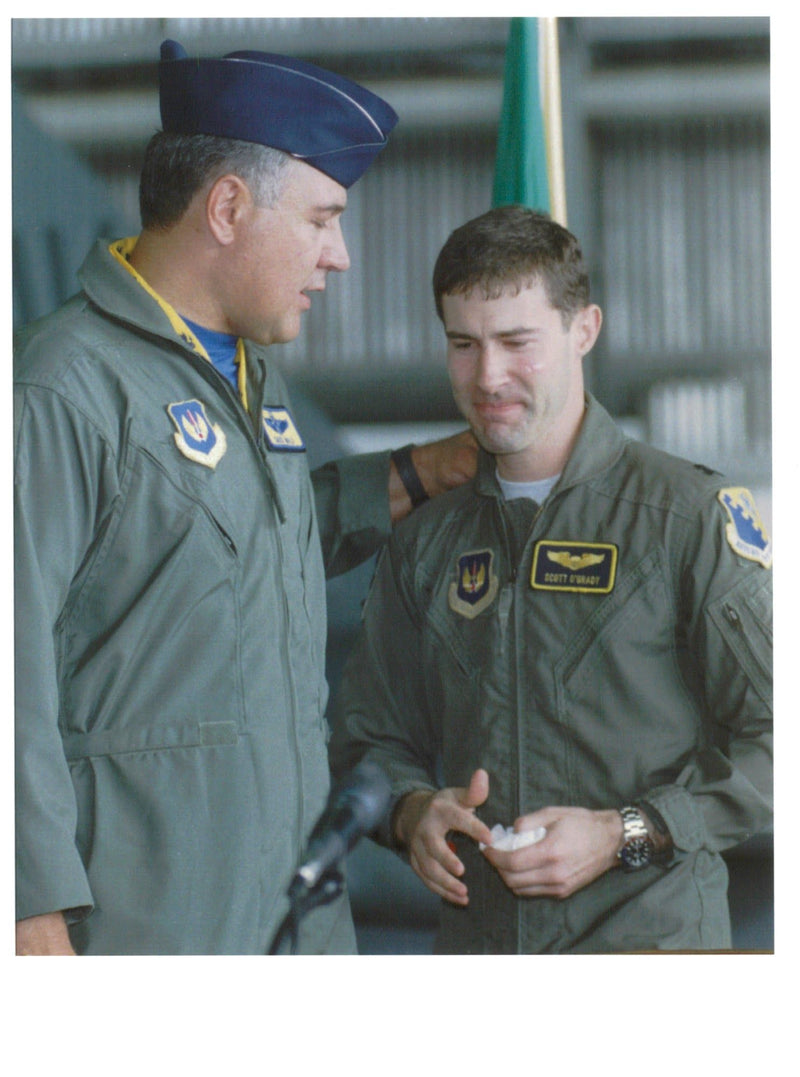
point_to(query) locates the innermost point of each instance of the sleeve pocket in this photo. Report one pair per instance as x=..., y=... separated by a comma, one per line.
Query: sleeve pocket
x=743, y=618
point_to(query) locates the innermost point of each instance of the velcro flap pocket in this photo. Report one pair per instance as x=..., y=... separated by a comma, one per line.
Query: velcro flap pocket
x=743, y=617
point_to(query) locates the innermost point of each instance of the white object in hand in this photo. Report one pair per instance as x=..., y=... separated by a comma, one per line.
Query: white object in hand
x=508, y=839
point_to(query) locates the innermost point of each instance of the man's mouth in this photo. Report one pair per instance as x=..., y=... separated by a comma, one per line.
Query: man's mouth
x=496, y=409
x=310, y=288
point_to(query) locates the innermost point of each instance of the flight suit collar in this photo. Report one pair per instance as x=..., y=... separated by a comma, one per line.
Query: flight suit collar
x=122, y=295
x=599, y=444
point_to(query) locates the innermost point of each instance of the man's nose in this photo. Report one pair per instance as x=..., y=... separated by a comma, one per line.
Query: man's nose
x=334, y=254
x=491, y=373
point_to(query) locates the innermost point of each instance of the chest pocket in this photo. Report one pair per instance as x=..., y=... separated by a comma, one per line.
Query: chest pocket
x=134, y=637
x=638, y=598
x=193, y=493
x=620, y=682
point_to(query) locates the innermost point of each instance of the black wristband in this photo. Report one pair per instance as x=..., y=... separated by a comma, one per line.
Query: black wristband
x=664, y=846
x=401, y=458
x=656, y=818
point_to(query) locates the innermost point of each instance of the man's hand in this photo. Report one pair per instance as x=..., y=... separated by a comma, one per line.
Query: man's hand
x=44, y=935
x=580, y=845
x=422, y=824
x=441, y=465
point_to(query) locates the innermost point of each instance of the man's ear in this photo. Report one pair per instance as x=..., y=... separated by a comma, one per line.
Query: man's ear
x=587, y=325
x=228, y=200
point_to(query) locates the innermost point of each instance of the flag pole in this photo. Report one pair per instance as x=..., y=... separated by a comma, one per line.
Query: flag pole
x=551, y=105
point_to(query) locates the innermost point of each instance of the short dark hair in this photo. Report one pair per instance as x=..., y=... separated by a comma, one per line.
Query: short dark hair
x=513, y=246
x=177, y=166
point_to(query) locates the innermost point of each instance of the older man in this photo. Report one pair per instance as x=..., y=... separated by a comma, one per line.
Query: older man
x=171, y=738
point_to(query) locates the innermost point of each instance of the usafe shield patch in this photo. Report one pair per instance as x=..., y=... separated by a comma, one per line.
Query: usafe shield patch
x=476, y=584
x=281, y=433
x=196, y=436
x=745, y=530
x=585, y=567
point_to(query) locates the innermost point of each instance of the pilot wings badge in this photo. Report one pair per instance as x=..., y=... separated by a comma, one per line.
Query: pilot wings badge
x=575, y=561
x=197, y=437
x=475, y=586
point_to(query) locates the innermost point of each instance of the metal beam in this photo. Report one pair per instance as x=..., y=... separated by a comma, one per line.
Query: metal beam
x=39, y=43
x=676, y=91
x=119, y=118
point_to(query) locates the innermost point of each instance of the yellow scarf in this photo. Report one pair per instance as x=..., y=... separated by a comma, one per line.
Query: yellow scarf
x=120, y=250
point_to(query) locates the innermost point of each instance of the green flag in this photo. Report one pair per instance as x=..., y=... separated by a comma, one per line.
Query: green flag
x=528, y=142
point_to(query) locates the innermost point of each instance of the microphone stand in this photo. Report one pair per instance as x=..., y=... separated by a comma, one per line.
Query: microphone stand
x=302, y=900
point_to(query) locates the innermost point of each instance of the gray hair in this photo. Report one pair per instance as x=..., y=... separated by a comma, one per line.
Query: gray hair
x=177, y=166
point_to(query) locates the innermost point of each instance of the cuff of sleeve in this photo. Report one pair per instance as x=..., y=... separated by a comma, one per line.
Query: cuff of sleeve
x=386, y=831
x=52, y=881
x=682, y=815
x=37, y=904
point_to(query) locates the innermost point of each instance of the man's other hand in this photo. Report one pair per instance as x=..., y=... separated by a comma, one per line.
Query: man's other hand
x=422, y=824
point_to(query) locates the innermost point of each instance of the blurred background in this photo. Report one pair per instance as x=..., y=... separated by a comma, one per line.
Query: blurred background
x=666, y=125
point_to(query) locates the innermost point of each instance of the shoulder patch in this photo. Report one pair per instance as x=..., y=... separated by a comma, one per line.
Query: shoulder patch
x=745, y=530
x=196, y=436
x=476, y=584
x=279, y=428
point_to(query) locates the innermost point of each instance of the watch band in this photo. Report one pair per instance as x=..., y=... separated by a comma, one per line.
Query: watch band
x=401, y=458
x=633, y=825
x=637, y=845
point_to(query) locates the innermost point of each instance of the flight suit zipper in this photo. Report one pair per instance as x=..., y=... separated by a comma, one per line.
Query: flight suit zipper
x=505, y=603
x=254, y=432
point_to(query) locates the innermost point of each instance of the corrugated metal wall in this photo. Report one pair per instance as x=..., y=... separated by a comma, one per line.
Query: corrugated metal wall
x=684, y=280
x=682, y=210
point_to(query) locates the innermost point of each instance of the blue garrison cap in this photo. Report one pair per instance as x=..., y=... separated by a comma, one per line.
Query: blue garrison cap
x=321, y=118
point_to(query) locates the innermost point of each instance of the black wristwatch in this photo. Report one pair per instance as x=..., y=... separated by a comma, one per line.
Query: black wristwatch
x=637, y=845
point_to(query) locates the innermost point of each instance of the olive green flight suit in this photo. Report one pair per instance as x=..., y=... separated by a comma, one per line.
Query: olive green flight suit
x=170, y=631
x=615, y=646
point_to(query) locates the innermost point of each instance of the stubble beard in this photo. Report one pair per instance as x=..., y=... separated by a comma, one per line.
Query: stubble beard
x=506, y=439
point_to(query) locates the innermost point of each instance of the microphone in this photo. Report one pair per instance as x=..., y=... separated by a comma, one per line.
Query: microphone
x=355, y=807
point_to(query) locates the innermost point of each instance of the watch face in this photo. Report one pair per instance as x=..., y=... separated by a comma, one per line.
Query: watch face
x=638, y=853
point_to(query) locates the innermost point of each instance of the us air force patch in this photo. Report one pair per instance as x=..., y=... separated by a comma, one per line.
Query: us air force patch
x=281, y=433
x=745, y=531
x=476, y=584
x=585, y=567
x=197, y=437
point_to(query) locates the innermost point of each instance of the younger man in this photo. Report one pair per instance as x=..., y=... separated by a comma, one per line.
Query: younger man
x=577, y=643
